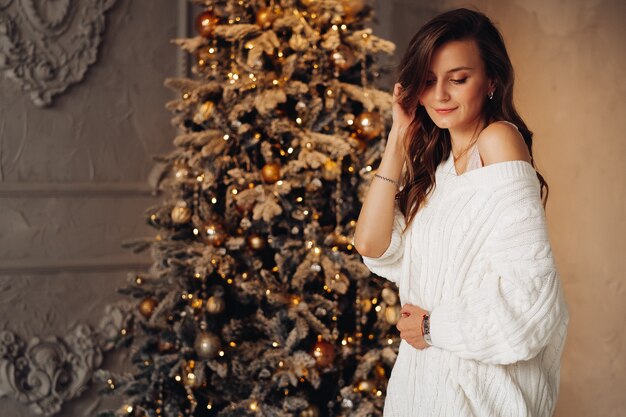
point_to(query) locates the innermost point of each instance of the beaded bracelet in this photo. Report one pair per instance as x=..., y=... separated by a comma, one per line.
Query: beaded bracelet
x=387, y=179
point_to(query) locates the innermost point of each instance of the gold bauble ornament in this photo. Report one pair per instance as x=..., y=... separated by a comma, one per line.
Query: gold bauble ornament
x=271, y=172
x=191, y=377
x=212, y=233
x=215, y=305
x=310, y=411
x=366, y=305
x=309, y=3
x=181, y=170
x=352, y=8
x=197, y=303
x=207, y=345
x=256, y=242
x=392, y=314
x=368, y=125
x=324, y=353
x=206, y=23
x=342, y=58
x=332, y=170
x=389, y=296
x=266, y=16
x=366, y=385
x=205, y=110
x=181, y=214
x=147, y=306
x=206, y=56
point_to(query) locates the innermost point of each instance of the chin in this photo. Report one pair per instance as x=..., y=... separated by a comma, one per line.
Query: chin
x=443, y=124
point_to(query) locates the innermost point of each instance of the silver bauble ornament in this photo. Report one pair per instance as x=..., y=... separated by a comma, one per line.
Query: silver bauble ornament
x=207, y=345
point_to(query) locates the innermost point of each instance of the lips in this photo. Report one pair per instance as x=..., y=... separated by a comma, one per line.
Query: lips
x=444, y=111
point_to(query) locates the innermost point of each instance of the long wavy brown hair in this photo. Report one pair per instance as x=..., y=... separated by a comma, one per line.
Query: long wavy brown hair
x=425, y=145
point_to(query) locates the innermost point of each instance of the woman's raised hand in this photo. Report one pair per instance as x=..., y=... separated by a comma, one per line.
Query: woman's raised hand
x=401, y=119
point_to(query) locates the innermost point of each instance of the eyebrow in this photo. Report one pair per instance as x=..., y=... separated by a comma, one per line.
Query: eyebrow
x=460, y=69
x=455, y=70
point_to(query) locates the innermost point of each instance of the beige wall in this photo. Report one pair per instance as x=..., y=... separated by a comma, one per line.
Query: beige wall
x=570, y=64
x=73, y=177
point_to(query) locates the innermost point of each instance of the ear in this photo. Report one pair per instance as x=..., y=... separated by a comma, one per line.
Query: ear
x=492, y=85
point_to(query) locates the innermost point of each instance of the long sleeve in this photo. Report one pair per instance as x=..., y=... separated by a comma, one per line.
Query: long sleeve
x=389, y=264
x=519, y=303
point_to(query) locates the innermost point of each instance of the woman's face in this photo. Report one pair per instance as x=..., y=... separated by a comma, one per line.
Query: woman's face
x=456, y=86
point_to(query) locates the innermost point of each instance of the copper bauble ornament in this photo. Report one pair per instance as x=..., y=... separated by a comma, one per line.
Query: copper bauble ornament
x=206, y=23
x=324, y=353
x=271, y=172
x=146, y=306
x=392, y=314
x=215, y=305
x=181, y=214
x=380, y=371
x=310, y=411
x=368, y=125
x=342, y=58
x=165, y=346
x=212, y=233
x=256, y=242
x=207, y=345
x=243, y=205
x=360, y=144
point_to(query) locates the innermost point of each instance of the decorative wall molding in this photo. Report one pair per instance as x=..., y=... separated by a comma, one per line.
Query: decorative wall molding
x=45, y=46
x=76, y=189
x=113, y=263
x=44, y=373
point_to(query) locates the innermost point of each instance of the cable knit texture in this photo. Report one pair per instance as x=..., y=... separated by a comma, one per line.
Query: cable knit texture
x=478, y=257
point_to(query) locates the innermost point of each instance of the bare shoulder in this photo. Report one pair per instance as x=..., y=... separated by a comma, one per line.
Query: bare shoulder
x=500, y=142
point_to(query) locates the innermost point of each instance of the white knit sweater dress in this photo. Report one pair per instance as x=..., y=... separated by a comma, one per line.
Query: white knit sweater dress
x=478, y=257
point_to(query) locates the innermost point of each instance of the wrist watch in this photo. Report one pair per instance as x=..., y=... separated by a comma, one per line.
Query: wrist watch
x=426, y=328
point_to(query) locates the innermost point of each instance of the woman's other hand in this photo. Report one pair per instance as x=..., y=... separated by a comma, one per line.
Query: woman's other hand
x=410, y=326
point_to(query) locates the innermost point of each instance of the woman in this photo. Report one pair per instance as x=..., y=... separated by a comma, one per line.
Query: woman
x=483, y=319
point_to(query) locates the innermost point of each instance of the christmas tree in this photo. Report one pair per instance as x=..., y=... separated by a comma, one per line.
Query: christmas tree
x=257, y=303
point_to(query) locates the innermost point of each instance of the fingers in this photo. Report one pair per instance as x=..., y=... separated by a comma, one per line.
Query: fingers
x=408, y=309
x=397, y=90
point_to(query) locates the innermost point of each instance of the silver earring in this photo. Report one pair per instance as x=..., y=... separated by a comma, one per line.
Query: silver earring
x=491, y=95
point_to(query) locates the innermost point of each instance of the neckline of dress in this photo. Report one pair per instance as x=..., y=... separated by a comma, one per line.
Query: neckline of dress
x=507, y=168
x=470, y=154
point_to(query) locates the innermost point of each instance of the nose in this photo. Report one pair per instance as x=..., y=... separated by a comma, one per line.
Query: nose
x=441, y=91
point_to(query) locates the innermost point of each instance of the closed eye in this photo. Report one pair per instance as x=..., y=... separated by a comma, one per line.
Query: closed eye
x=459, y=81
